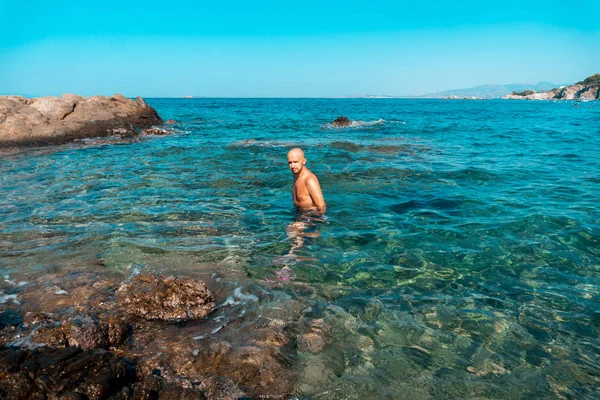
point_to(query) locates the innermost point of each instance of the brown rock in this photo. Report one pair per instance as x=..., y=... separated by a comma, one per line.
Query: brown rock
x=311, y=343
x=51, y=120
x=156, y=131
x=116, y=330
x=222, y=388
x=62, y=373
x=170, y=122
x=341, y=122
x=169, y=298
x=154, y=387
x=84, y=331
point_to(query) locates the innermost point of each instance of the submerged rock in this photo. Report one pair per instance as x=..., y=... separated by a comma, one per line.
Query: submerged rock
x=169, y=298
x=69, y=373
x=53, y=120
x=72, y=373
x=341, y=122
x=87, y=332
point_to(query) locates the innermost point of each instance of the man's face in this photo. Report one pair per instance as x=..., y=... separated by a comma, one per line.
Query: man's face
x=296, y=162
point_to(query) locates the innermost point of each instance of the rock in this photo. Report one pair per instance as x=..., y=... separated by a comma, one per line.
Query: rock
x=222, y=388
x=169, y=298
x=156, y=131
x=53, y=120
x=341, y=122
x=588, y=89
x=154, y=387
x=84, y=331
x=116, y=330
x=310, y=342
x=69, y=373
x=170, y=122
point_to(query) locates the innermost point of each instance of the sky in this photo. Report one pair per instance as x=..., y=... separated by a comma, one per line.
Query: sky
x=232, y=48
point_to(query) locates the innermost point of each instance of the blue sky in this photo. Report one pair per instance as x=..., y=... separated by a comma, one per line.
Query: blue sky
x=300, y=49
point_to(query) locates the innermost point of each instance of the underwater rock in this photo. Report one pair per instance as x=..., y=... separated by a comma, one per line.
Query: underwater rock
x=169, y=298
x=54, y=120
x=154, y=387
x=222, y=388
x=69, y=373
x=170, y=122
x=84, y=331
x=341, y=122
x=310, y=342
x=87, y=332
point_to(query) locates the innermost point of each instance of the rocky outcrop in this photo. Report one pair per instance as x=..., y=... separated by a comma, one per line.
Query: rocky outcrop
x=171, y=299
x=86, y=340
x=588, y=89
x=62, y=373
x=341, y=122
x=53, y=120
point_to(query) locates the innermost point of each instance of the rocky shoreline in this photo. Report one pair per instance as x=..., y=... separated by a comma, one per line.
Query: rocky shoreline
x=98, y=338
x=588, y=89
x=56, y=120
x=102, y=335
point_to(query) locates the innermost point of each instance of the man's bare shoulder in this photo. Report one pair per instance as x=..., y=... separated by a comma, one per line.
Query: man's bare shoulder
x=311, y=178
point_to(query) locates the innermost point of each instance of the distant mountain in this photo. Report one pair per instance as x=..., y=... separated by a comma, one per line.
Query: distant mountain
x=492, y=91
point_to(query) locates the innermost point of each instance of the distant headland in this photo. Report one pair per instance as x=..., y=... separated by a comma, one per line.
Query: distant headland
x=584, y=90
x=587, y=89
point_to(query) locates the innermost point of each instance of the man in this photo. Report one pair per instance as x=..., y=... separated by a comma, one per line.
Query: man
x=306, y=191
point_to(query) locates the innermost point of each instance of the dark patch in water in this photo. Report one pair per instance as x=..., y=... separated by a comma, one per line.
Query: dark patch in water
x=402, y=208
x=348, y=146
x=470, y=174
x=422, y=358
x=428, y=208
x=10, y=318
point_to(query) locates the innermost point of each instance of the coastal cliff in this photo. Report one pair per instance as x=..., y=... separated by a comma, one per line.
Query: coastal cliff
x=55, y=120
x=588, y=89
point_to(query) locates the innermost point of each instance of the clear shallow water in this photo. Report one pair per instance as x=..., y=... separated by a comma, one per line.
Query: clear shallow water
x=460, y=256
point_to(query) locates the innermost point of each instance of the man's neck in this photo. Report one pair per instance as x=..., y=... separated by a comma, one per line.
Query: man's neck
x=301, y=174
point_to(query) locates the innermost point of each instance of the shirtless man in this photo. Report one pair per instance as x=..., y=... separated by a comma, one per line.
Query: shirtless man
x=306, y=192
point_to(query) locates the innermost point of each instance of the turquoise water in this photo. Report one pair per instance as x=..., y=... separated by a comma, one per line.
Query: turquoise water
x=459, y=256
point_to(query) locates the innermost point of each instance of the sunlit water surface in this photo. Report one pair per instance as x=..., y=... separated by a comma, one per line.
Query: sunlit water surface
x=459, y=256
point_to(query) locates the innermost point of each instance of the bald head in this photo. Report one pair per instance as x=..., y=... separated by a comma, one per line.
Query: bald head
x=297, y=152
x=296, y=160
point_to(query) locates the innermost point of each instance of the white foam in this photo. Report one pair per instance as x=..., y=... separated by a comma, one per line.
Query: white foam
x=230, y=301
x=25, y=342
x=8, y=280
x=244, y=297
x=359, y=124
x=7, y=297
x=217, y=329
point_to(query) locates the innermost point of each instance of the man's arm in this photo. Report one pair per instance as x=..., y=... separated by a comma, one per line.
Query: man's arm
x=314, y=189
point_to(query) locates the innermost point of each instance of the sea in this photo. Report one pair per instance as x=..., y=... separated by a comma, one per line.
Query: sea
x=459, y=256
